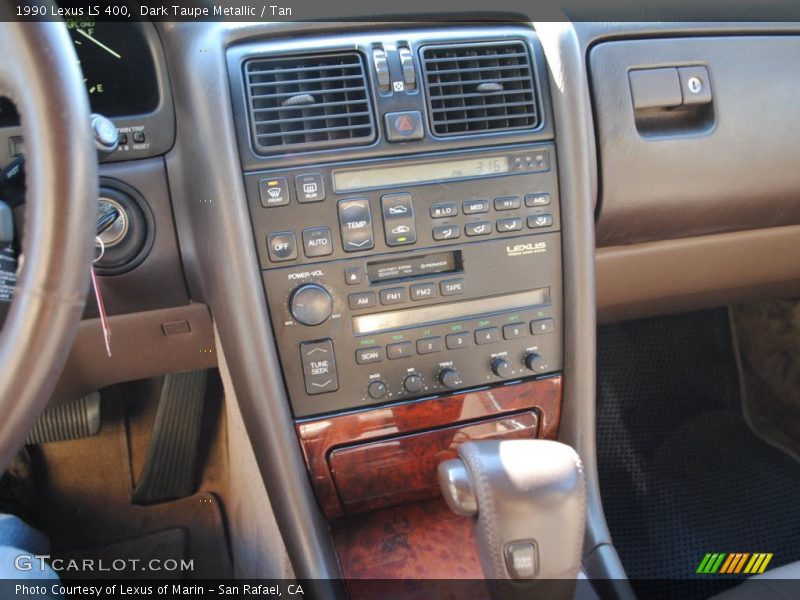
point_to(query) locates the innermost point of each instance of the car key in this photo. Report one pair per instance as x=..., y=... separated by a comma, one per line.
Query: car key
x=101, y=307
x=8, y=257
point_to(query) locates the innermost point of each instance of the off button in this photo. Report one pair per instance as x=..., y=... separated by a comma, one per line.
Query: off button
x=319, y=367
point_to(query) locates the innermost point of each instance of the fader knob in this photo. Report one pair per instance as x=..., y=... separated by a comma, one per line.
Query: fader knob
x=536, y=362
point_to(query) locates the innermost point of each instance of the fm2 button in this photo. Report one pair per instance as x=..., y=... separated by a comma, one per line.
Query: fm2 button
x=403, y=126
x=319, y=367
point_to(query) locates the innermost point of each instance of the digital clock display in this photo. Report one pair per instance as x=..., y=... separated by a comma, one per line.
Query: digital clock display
x=380, y=177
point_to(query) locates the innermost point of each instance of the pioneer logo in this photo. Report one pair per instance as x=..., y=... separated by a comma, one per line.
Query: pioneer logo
x=525, y=249
x=305, y=274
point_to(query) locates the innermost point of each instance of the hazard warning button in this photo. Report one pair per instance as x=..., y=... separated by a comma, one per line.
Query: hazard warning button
x=403, y=126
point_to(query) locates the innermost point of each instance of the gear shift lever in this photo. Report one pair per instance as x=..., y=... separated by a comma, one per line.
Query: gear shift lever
x=528, y=500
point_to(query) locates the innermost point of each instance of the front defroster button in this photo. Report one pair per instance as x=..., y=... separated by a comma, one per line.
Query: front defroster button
x=319, y=367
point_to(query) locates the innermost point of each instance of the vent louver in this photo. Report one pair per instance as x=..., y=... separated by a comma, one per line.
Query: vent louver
x=479, y=88
x=308, y=102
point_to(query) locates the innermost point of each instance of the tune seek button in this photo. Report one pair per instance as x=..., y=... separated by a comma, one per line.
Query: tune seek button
x=319, y=367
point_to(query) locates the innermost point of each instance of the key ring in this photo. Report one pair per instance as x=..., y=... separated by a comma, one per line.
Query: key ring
x=99, y=242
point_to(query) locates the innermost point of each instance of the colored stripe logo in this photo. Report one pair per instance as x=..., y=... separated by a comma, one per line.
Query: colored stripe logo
x=733, y=563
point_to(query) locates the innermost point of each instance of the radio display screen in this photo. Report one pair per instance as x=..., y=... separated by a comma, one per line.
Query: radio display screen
x=380, y=177
x=415, y=266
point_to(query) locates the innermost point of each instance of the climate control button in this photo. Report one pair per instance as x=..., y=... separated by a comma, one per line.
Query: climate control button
x=311, y=304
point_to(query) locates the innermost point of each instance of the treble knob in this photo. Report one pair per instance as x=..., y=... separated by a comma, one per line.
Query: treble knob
x=450, y=378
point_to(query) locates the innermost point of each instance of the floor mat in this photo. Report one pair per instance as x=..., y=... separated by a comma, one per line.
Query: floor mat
x=681, y=474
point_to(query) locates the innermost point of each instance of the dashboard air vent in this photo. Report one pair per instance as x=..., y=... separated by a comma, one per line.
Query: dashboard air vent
x=479, y=88
x=308, y=102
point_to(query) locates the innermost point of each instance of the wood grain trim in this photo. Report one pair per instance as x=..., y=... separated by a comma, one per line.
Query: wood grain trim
x=318, y=437
x=403, y=469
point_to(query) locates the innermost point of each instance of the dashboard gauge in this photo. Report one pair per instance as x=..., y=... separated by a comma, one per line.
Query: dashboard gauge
x=117, y=67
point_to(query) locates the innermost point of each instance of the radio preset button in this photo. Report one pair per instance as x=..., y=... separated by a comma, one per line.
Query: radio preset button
x=538, y=221
x=399, y=350
x=282, y=246
x=452, y=287
x=365, y=356
x=479, y=228
x=394, y=295
x=475, y=207
x=430, y=345
x=423, y=291
x=446, y=232
x=311, y=304
x=504, y=225
x=514, y=331
x=442, y=211
x=376, y=390
x=319, y=367
x=274, y=192
x=355, y=222
x=542, y=326
x=489, y=335
x=507, y=203
x=353, y=275
x=542, y=199
x=362, y=300
x=458, y=340
x=317, y=242
x=398, y=219
x=309, y=188
x=413, y=383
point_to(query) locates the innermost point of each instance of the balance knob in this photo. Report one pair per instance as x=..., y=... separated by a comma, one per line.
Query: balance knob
x=502, y=368
x=536, y=362
x=311, y=304
x=450, y=378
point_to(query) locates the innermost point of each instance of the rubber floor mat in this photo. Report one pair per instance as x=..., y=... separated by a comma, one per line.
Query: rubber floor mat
x=681, y=474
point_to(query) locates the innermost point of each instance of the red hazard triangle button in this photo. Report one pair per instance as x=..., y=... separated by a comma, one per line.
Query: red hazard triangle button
x=403, y=126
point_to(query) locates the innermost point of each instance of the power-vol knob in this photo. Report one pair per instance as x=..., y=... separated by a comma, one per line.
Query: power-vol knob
x=311, y=304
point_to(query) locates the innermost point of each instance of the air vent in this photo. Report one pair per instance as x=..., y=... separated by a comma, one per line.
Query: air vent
x=479, y=88
x=308, y=102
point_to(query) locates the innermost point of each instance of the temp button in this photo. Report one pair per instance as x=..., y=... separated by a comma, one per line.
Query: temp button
x=319, y=367
x=355, y=221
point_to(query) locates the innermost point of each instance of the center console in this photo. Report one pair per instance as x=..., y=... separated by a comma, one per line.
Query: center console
x=403, y=193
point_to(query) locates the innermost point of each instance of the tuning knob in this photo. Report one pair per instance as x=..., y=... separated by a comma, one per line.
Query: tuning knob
x=311, y=304
x=450, y=378
x=536, y=362
x=502, y=368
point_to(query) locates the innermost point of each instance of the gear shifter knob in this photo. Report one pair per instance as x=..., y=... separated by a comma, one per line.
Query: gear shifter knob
x=527, y=499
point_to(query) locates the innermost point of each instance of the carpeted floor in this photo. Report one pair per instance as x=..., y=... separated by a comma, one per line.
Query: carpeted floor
x=681, y=474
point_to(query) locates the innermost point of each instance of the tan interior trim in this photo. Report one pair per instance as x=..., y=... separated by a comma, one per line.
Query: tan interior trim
x=693, y=273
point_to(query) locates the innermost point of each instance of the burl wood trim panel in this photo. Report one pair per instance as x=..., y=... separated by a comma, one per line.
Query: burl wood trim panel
x=419, y=540
x=403, y=469
x=319, y=437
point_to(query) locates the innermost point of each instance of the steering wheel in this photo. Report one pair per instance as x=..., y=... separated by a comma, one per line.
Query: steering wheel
x=39, y=72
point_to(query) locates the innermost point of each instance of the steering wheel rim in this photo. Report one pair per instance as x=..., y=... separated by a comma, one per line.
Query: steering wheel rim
x=40, y=74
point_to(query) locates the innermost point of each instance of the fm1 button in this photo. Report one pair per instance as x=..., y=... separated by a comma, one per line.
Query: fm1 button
x=282, y=246
x=403, y=126
x=319, y=367
x=317, y=242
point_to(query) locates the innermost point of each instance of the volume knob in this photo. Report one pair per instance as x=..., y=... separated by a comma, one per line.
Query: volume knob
x=450, y=378
x=311, y=304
